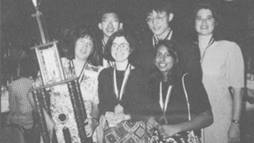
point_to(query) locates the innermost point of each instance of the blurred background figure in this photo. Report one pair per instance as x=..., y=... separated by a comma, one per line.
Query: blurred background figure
x=21, y=113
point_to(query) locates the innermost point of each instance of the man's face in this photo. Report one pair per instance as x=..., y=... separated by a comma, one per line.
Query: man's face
x=110, y=24
x=158, y=22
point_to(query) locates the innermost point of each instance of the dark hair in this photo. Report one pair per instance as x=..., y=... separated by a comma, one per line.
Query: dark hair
x=176, y=70
x=121, y=33
x=160, y=6
x=86, y=32
x=217, y=17
x=105, y=9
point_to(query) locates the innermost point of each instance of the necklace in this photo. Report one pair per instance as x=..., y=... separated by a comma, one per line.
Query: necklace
x=118, y=94
x=82, y=72
x=164, y=105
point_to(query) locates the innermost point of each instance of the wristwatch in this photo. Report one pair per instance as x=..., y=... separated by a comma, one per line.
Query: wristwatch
x=235, y=122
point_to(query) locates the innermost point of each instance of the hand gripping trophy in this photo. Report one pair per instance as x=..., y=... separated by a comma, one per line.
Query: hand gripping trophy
x=58, y=81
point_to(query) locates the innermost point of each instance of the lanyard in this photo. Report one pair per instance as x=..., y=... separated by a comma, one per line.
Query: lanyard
x=164, y=104
x=211, y=41
x=118, y=94
x=82, y=72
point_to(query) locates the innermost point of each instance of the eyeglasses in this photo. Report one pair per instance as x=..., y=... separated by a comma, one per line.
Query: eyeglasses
x=120, y=46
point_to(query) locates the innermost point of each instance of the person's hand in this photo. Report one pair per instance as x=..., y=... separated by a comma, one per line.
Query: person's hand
x=234, y=133
x=89, y=128
x=112, y=119
x=169, y=130
x=115, y=118
x=151, y=123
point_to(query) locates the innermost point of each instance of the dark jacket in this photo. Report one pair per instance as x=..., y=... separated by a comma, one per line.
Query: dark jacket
x=177, y=106
x=134, y=99
x=188, y=55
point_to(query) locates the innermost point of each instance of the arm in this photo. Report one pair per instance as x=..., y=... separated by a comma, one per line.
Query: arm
x=237, y=103
x=199, y=106
x=235, y=72
x=202, y=120
x=235, y=75
x=92, y=122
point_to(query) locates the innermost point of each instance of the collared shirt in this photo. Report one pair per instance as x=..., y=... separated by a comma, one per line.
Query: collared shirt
x=168, y=37
x=105, y=63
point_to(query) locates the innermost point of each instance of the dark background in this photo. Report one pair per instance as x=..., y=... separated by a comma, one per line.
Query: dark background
x=19, y=30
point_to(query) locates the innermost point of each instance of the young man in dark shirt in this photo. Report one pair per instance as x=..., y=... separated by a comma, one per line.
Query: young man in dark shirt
x=109, y=23
x=159, y=18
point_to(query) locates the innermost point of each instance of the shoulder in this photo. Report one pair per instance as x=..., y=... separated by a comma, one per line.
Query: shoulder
x=21, y=81
x=138, y=73
x=105, y=72
x=94, y=68
x=229, y=48
x=189, y=80
x=136, y=70
x=227, y=44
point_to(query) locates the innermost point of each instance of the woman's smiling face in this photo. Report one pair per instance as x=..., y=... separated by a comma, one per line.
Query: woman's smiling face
x=164, y=60
x=204, y=22
x=120, y=49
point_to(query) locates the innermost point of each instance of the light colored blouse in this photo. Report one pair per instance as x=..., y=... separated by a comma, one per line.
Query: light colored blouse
x=224, y=61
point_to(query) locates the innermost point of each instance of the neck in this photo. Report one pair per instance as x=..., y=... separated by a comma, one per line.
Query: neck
x=105, y=39
x=121, y=65
x=163, y=35
x=204, y=38
x=80, y=61
x=165, y=76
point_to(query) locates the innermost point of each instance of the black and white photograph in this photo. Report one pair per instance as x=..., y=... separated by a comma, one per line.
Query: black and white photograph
x=127, y=71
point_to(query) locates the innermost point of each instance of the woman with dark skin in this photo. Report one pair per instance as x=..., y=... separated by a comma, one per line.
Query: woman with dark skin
x=170, y=112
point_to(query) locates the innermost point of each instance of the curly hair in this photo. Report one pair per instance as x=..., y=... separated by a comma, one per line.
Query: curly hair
x=121, y=33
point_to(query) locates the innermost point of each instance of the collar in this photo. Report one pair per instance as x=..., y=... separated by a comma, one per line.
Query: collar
x=168, y=37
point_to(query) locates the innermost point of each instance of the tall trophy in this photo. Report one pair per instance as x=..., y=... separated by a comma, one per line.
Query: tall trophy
x=57, y=83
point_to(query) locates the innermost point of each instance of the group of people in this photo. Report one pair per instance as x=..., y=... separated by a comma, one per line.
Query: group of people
x=168, y=89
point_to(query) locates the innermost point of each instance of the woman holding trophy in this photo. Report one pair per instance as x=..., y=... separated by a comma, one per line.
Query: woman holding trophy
x=61, y=107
